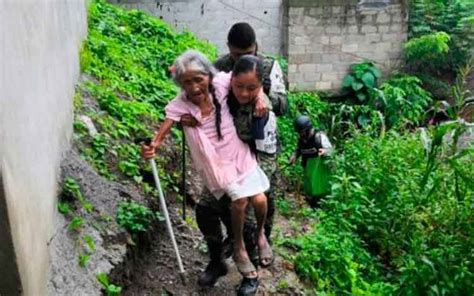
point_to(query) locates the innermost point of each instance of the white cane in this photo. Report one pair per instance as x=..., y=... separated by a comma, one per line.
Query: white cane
x=164, y=209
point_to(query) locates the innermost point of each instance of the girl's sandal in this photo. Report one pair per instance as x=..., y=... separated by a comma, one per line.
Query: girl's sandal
x=266, y=256
x=250, y=283
x=246, y=268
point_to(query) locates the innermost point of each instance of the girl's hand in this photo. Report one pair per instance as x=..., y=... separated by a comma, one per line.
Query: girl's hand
x=260, y=106
x=189, y=120
x=322, y=152
x=148, y=151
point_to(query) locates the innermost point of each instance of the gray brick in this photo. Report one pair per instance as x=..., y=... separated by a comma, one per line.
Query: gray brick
x=383, y=18
x=297, y=30
x=304, y=86
x=292, y=68
x=372, y=37
x=333, y=30
x=316, y=58
x=323, y=85
x=295, y=77
x=395, y=28
x=301, y=59
x=314, y=31
x=312, y=77
x=336, y=9
x=314, y=48
x=309, y=21
x=324, y=40
x=353, y=29
x=323, y=67
x=336, y=40
x=397, y=18
x=296, y=11
x=392, y=37
x=307, y=68
x=296, y=49
x=302, y=40
x=351, y=47
x=383, y=28
x=367, y=19
x=330, y=58
x=329, y=77
x=368, y=29
x=383, y=47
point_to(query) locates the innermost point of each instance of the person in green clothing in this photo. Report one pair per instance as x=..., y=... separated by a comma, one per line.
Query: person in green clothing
x=313, y=146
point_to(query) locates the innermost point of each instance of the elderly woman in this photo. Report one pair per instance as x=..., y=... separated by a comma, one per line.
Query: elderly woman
x=226, y=164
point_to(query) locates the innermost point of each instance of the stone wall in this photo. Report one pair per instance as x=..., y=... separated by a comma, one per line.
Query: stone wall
x=212, y=19
x=326, y=36
x=39, y=46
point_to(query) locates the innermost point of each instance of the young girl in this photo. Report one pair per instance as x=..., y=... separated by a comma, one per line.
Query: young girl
x=312, y=146
x=223, y=160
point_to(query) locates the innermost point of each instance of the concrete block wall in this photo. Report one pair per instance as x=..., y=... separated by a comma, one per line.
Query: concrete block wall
x=39, y=54
x=212, y=19
x=326, y=36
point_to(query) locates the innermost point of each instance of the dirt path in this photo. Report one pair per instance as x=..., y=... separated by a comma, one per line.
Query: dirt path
x=153, y=270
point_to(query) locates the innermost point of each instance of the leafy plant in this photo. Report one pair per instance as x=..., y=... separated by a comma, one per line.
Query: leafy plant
x=84, y=259
x=134, y=217
x=405, y=101
x=110, y=289
x=362, y=81
x=76, y=223
x=428, y=51
x=395, y=218
x=72, y=190
x=441, y=34
x=89, y=242
x=64, y=208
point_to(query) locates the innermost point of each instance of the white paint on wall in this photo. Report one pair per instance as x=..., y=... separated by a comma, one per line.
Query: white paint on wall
x=39, y=62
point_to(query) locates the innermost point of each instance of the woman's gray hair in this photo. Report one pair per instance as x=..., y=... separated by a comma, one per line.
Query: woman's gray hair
x=195, y=61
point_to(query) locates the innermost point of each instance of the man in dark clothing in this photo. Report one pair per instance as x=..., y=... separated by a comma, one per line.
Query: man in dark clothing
x=241, y=40
x=209, y=211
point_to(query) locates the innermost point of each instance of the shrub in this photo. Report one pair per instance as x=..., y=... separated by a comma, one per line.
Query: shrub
x=134, y=217
x=405, y=101
x=362, y=81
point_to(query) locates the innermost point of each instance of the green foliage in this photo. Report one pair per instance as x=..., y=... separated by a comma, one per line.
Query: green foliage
x=64, y=208
x=90, y=243
x=362, y=81
x=434, y=27
x=76, y=223
x=399, y=219
x=335, y=260
x=134, y=217
x=428, y=51
x=83, y=259
x=72, y=191
x=110, y=289
x=405, y=101
x=126, y=58
x=461, y=92
x=338, y=120
x=285, y=207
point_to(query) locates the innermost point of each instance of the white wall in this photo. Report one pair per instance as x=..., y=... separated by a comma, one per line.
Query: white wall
x=212, y=19
x=39, y=45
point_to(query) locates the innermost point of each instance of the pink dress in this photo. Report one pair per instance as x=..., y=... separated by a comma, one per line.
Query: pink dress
x=220, y=162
